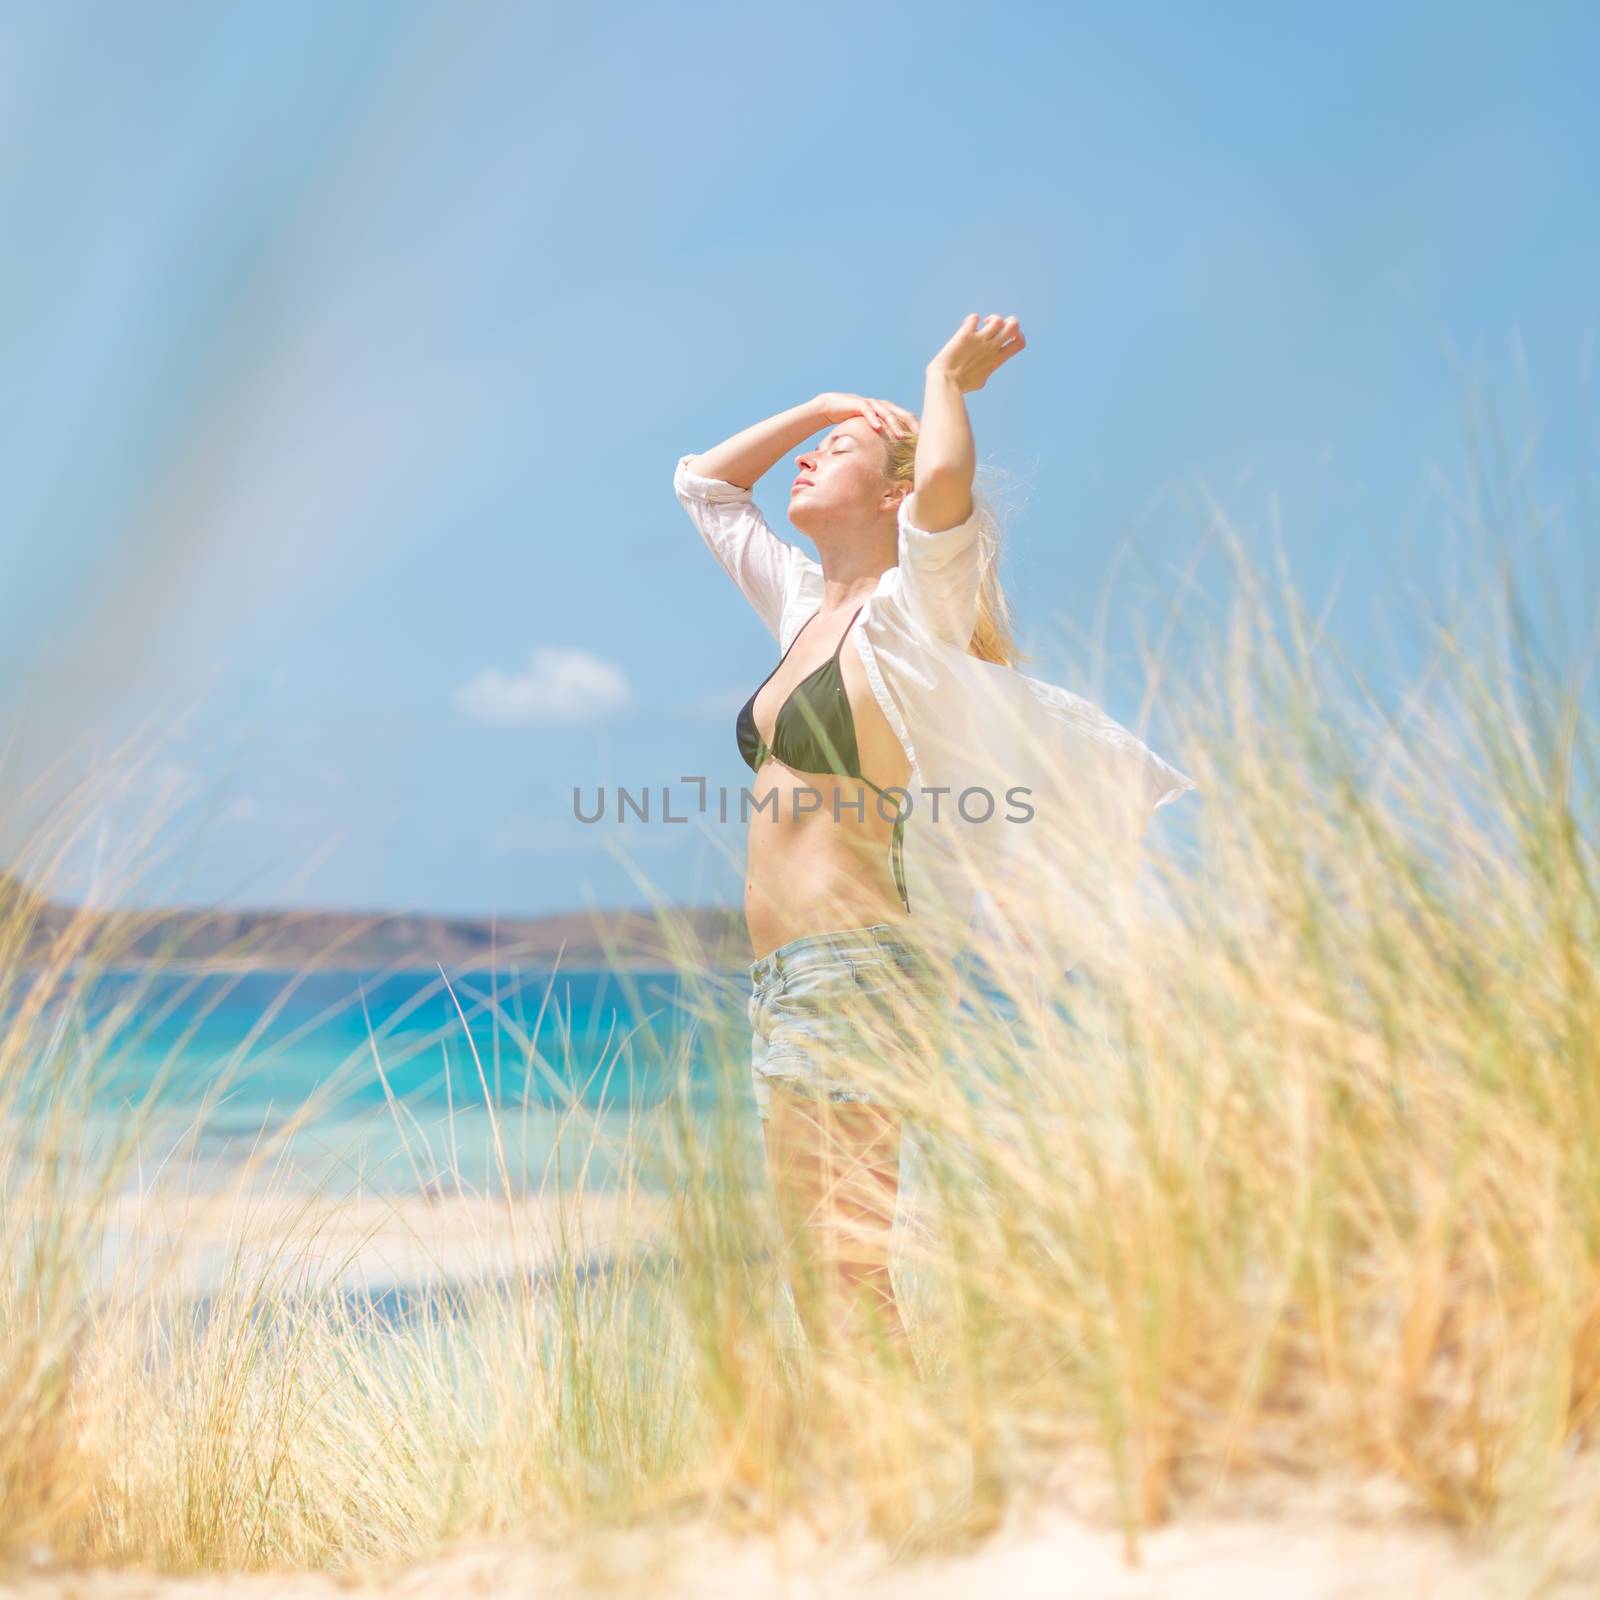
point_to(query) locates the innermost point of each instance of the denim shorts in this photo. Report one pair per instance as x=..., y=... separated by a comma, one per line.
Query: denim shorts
x=824, y=1003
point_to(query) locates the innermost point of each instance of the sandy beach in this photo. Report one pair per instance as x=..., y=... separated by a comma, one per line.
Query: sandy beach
x=373, y=1243
x=1289, y=1535
x=1330, y=1544
x=1273, y=1537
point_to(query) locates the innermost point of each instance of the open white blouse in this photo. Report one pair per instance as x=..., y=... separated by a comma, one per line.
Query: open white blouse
x=978, y=730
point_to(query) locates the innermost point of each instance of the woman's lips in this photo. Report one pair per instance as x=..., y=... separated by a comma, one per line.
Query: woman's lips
x=801, y=483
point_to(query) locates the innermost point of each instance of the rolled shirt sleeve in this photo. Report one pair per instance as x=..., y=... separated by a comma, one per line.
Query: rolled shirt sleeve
x=740, y=537
x=940, y=573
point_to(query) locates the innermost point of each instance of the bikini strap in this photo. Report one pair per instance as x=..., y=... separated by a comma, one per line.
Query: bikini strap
x=847, y=627
x=901, y=812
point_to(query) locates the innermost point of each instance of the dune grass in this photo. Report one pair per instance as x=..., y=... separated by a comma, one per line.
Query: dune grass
x=1301, y=1176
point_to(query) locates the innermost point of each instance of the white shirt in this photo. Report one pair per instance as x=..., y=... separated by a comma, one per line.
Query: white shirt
x=1044, y=884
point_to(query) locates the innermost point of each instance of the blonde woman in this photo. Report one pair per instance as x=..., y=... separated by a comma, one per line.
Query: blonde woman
x=896, y=669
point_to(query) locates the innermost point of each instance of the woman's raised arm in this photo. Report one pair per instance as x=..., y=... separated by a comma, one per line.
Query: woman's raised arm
x=940, y=550
x=753, y=450
x=750, y=452
x=946, y=458
x=716, y=489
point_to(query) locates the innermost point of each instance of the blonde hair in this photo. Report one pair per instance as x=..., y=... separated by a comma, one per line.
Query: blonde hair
x=991, y=635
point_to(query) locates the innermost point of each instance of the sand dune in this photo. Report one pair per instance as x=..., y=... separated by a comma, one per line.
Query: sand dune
x=1310, y=1549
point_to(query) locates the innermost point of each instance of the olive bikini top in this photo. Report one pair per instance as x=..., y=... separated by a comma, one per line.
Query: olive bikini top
x=815, y=731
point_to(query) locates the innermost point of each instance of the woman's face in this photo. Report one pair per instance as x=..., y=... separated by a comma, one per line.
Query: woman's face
x=841, y=480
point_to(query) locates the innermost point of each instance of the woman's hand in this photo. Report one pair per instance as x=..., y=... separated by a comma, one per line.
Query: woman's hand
x=880, y=413
x=974, y=350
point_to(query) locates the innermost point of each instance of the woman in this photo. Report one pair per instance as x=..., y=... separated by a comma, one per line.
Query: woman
x=848, y=988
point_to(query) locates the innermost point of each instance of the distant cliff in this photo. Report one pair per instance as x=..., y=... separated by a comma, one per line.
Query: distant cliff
x=268, y=938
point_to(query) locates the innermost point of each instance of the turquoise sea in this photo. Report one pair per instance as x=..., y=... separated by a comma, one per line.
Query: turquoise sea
x=395, y=1079
x=402, y=1081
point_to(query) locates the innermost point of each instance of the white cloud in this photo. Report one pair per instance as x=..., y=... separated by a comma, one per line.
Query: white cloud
x=559, y=686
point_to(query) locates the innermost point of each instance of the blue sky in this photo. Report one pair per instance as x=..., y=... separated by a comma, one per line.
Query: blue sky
x=348, y=351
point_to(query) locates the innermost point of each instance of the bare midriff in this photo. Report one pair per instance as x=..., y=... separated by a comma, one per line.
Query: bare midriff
x=807, y=873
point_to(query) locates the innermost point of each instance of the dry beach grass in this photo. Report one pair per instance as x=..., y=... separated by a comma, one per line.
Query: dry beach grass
x=1274, y=1265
